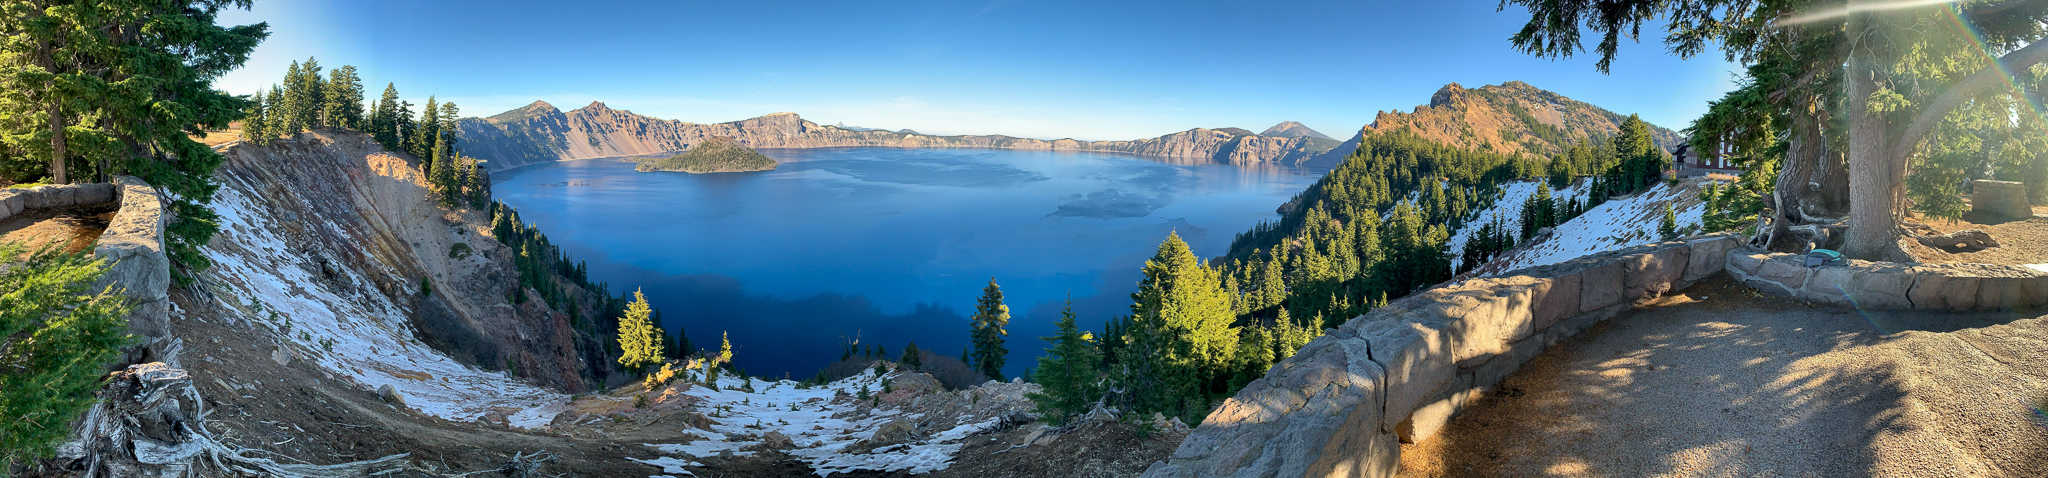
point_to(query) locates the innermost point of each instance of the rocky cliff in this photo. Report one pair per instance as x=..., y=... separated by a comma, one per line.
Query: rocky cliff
x=1512, y=117
x=329, y=233
x=539, y=132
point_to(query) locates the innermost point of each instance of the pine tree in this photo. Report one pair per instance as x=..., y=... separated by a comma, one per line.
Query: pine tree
x=58, y=332
x=990, y=319
x=343, y=95
x=427, y=132
x=384, y=121
x=253, y=124
x=1067, y=372
x=910, y=356
x=1182, y=337
x=724, y=347
x=1668, y=228
x=638, y=346
x=312, y=94
x=130, y=80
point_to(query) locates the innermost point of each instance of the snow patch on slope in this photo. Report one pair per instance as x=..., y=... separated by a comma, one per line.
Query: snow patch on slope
x=821, y=428
x=1616, y=224
x=1507, y=209
x=360, y=335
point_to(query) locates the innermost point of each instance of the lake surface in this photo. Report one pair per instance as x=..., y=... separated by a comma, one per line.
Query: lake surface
x=886, y=245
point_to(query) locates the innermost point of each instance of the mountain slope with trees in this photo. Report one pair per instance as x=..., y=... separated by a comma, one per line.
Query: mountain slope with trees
x=715, y=155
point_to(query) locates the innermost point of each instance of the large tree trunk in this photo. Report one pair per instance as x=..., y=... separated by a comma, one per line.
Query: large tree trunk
x=59, y=173
x=1874, y=178
x=1812, y=191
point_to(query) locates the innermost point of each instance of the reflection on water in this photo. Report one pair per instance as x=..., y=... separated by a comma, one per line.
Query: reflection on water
x=890, y=245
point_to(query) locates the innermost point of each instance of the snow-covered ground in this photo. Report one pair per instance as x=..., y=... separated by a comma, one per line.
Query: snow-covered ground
x=2038, y=267
x=820, y=428
x=361, y=335
x=1616, y=224
x=1507, y=209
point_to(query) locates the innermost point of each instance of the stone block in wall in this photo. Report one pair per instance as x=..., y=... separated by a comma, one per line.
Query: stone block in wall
x=1881, y=286
x=96, y=193
x=1999, y=200
x=1358, y=449
x=12, y=202
x=1827, y=285
x=1430, y=418
x=2002, y=293
x=133, y=246
x=1709, y=256
x=1418, y=362
x=1554, y=299
x=1746, y=261
x=1285, y=424
x=1488, y=373
x=2036, y=292
x=1655, y=273
x=1935, y=290
x=34, y=198
x=1781, y=274
x=1480, y=319
x=1600, y=286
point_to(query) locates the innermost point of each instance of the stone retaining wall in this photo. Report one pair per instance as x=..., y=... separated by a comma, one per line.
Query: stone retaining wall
x=1342, y=404
x=16, y=200
x=132, y=245
x=1888, y=285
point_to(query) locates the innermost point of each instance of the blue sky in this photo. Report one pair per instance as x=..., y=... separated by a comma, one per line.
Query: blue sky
x=1090, y=70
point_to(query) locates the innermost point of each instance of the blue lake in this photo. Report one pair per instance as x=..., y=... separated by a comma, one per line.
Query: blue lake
x=886, y=245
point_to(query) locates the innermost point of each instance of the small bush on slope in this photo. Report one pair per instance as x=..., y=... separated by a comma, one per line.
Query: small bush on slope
x=56, y=336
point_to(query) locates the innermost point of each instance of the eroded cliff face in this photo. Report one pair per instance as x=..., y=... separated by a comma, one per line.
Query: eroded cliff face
x=1512, y=117
x=539, y=133
x=327, y=229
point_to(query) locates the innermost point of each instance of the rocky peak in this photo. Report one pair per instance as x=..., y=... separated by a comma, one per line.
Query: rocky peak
x=539, y=106
x=595, y=107
x=1446, y=95
x=1293, y=129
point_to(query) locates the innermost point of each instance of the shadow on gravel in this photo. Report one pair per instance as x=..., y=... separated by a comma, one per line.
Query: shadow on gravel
x=1716, y=380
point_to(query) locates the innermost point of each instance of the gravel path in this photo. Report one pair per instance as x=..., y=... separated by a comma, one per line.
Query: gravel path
x=1718, y=381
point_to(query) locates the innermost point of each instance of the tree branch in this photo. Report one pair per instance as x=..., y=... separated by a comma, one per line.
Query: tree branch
x=1989, y=77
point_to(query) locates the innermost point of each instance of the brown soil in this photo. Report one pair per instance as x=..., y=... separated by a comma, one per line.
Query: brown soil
x=310, y=414
x=1095, y=449
x=2019, y=242
x=1718, y=381
x=67, y=229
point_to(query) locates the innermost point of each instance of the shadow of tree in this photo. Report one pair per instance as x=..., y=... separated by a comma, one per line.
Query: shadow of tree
x=1714, y=381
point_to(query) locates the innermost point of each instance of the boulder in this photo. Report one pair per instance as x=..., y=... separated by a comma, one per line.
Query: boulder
x=390, y=395
x=775, y=440
x=1999, y=200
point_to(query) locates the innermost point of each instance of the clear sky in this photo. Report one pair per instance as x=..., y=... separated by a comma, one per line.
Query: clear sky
x=1048, y=69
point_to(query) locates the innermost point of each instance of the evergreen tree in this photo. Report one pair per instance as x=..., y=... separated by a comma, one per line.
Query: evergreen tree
x=638, y=346
x=1067, y=372
x=343, y=105
x=724, y=347
x=312, y=95
x=253, y=125
x=1668, y=228
x=384, y=121
x=289, y=120
x=58, y=333
x=910, y=356
x=122, y=86
x=1182, y=339
x=989, y=322
x=426, y=132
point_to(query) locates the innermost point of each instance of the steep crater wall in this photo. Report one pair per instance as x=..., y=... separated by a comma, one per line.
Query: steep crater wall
x=1342, y=405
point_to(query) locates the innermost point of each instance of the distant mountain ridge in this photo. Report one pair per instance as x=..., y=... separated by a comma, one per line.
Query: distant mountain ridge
x=1291, y=129
x=539, y=132
x=1512, y=117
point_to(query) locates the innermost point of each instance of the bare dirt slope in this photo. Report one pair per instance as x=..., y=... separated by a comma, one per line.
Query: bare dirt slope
x=68, y=230
x=1720, y=382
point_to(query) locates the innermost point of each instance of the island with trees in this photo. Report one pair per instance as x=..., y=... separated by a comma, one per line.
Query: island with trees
x=715, y=155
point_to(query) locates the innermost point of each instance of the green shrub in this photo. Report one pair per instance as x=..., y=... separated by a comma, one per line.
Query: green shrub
x=57, y=335
x=458, y=250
